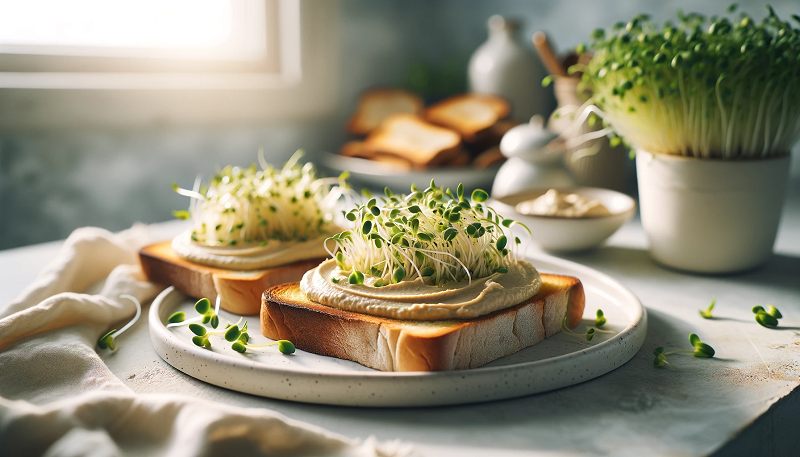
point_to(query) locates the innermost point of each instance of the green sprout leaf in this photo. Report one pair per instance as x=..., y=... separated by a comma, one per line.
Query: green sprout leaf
x=233, y=333
x=176, y=317
x=197, y=329
x=286, y=347
x=766, y=320
x=239, y=347
x=767, y=317
x=182, y=214
x=356, y=277
x=398, y=275
x=706, y=314
x=479, y=196
x=202, y=306
x=107, y=341
x=600, y=319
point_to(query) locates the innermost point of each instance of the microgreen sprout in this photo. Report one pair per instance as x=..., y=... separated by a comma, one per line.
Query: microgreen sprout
x=108, y=341
x=706, y=313
x=203, y=308
x=232, y=333
x=600, y=320
x=433, y=235
x=718, y=88
x=250, y=207
x=701, y=350
x=589, y=332
x=767, y=317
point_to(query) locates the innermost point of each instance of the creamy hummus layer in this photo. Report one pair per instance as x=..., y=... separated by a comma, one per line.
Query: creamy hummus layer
x=418, y=301
x=275, y=253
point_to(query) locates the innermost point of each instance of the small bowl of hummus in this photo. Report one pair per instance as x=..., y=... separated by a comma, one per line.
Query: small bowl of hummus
x=568, y=219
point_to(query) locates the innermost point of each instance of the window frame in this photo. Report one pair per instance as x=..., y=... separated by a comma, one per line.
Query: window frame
x=300, y=84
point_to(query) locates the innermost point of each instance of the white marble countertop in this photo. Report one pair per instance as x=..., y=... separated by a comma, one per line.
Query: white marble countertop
x=739, y=403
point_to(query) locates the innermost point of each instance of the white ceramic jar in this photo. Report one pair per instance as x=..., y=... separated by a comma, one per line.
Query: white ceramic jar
x=710, y=216
x=504, y=67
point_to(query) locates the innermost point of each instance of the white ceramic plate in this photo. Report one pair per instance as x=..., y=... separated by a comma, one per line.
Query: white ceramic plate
x=377, y=175
x=556, y=362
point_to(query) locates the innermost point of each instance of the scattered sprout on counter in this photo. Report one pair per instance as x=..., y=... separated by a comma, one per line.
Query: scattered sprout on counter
x=108, y=341
x=706, y=313
x=767, y=317
x=701, y=350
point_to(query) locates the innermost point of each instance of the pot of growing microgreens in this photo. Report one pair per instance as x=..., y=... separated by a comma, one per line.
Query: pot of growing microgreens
x=711, y=109
x=432, y=235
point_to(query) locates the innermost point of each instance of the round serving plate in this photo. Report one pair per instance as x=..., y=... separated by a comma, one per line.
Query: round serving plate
x=558, y=361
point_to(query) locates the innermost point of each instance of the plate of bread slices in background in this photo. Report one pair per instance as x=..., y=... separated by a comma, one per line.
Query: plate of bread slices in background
x=398, y=140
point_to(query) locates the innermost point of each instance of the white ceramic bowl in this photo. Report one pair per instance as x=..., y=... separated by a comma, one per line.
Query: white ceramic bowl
x=565, y=233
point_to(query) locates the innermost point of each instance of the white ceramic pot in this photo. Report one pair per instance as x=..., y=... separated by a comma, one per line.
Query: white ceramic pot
x=504, y=67
x=710, y=216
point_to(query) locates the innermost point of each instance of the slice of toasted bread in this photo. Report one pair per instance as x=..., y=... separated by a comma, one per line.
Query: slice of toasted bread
x=376, y=105
x=411, y=138
x=470, y=115
x=240, y=290
x=404, y=345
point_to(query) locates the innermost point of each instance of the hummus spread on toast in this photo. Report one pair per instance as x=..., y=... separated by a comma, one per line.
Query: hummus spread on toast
x=415, y=300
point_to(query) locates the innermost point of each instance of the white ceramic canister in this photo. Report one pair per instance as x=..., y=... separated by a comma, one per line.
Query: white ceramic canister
x=504, y=67
x=710, y=216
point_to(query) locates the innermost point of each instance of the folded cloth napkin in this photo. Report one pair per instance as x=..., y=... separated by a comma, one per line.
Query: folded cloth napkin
x=58, y=398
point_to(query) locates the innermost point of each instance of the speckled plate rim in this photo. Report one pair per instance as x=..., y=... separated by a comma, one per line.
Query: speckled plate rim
x=405, y=388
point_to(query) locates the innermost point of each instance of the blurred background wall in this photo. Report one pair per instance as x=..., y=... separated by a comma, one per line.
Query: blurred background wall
x=54, y=180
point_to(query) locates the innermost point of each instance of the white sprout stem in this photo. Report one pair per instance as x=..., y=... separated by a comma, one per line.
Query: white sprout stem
x=186, y=322
x=586, y=137
x=135, y=317
x=261, y=161
x=261, y=345
x=190, y=194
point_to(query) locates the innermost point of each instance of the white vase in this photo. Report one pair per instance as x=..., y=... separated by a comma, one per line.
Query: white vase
x=503, y=66
x=710, y=216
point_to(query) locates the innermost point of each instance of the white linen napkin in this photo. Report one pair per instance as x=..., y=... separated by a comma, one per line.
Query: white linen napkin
x=58, y=398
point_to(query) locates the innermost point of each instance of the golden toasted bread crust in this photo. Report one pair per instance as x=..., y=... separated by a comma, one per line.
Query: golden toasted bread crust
x=454, y=113
x=403, y=345
x=240, y=290
x=430, y=145
x=389, y=100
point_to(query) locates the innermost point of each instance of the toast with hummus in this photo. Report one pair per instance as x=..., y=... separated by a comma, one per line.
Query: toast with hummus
x=422, y=282
x=251, y=229
x=409, y=345
x=240, y=290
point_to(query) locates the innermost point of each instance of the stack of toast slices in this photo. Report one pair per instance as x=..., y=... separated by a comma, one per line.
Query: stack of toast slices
x=395, y=129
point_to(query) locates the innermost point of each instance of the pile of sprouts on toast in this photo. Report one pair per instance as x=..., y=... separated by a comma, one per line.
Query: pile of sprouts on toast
x=248, y=206
x=710, y=88
x=430, y=234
